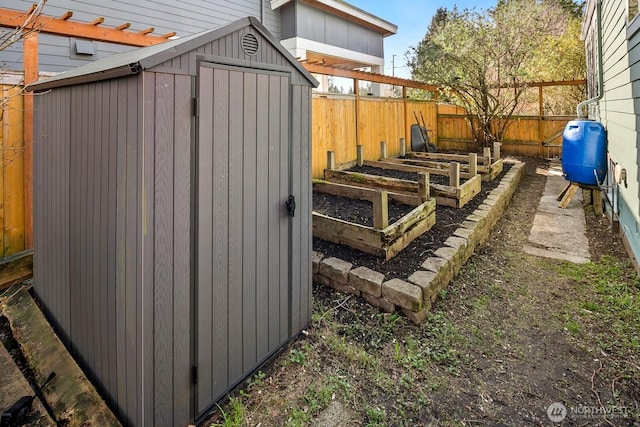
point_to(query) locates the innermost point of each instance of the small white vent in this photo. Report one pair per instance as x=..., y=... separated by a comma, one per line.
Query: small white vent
x=250, y=44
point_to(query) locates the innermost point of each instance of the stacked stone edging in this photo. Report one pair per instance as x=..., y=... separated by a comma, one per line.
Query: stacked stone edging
x=415, y=295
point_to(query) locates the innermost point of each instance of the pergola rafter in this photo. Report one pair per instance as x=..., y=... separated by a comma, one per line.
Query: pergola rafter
x=94, y=30
x=32, y=22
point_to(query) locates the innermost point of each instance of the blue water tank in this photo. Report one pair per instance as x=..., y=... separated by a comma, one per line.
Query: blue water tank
x=584, y=152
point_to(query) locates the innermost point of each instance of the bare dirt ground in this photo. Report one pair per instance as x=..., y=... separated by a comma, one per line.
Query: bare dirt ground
x=513, y=337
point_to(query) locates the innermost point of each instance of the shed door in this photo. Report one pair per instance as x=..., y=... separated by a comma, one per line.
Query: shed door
x=242, y=226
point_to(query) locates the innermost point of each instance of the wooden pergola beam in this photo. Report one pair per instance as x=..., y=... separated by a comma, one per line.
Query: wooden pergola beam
x=366, y=76
x=63, y=26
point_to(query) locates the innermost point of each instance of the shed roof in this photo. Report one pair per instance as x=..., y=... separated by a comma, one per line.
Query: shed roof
x=137, y=60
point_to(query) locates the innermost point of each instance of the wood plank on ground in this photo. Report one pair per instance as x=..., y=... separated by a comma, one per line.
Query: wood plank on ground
x=70, y=395
x=13, y=386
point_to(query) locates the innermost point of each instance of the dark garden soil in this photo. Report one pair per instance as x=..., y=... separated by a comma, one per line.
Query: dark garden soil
x=406, y=262
x=512, y=335
x=352, y=210
x=408, y=176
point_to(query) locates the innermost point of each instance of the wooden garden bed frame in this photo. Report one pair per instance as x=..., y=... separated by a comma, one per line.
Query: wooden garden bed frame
x=383, y=239
x=455, y=194
x=489, y=165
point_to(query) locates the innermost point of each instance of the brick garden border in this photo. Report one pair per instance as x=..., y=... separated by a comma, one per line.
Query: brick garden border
x=415, y=295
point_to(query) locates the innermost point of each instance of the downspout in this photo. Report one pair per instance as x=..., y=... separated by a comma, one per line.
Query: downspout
x=600, y=73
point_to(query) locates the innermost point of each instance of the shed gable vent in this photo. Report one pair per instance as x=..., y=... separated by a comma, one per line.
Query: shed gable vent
x=250, y=44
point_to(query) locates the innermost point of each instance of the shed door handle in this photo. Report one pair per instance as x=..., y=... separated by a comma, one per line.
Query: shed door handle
x=291, y=205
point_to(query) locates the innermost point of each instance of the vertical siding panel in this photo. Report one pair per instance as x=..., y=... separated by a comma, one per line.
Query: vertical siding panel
x=53, y=201
x=163, y=250
x=38, y=120
x=236, y=188
x=221, y=213
x=181, y=253
x=39, y=244
x=121, y=247
x=306, y=227
x=204, y=239
x=228, y=47
x=110, y=257
x=65, y=280
x=74, y=223
x=104, y=230
x=146, y=172
x=249, y=224
x=274, y=216
x=85, y=214
x=41, y=264
x=282, y=94
x=131, y=252
x=47, y=171
x=263, y=203
x=94, y=226
x=294, y=142
x=74, y=215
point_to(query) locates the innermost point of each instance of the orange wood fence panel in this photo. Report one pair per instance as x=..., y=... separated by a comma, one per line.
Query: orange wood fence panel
x=12, y=226
x=380, y=119
x=333, y=129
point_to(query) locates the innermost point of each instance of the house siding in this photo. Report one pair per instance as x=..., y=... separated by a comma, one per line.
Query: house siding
x=165, y=16
x=619, y=111
x=307, y=22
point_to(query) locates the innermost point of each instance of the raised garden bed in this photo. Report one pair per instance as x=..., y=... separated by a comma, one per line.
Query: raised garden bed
x=413, y=279
x=410, y=185
x=487, y=167
x=378, y=236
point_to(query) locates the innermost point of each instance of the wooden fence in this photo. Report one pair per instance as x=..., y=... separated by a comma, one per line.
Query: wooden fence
x=12, y=227
x=341, y=122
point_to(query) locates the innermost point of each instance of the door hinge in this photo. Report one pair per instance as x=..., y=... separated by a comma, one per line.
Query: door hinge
x=194, y=106
x=194, y=374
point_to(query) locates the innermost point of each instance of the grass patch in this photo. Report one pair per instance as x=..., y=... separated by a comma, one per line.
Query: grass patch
x=608, y=305
x=234, y=415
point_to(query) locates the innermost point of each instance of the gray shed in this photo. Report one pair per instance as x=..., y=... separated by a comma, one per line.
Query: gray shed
x=165, y=253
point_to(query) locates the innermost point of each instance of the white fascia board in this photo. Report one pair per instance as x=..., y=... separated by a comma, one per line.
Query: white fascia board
x=296, y=44
x=350, y=11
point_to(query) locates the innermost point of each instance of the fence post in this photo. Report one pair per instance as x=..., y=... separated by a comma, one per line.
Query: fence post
x=486, y=152
x=403, y=148
x=496, y=150
x=331, y=160
x=383, y=150
x=473, y=164
x=423, y=186
x=360, y=154
x=380, y=210
x=454, y=174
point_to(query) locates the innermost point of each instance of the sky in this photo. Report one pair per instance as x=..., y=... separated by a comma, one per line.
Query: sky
x=412, y=18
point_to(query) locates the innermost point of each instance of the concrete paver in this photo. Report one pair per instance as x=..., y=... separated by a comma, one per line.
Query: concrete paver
x=559, y=233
